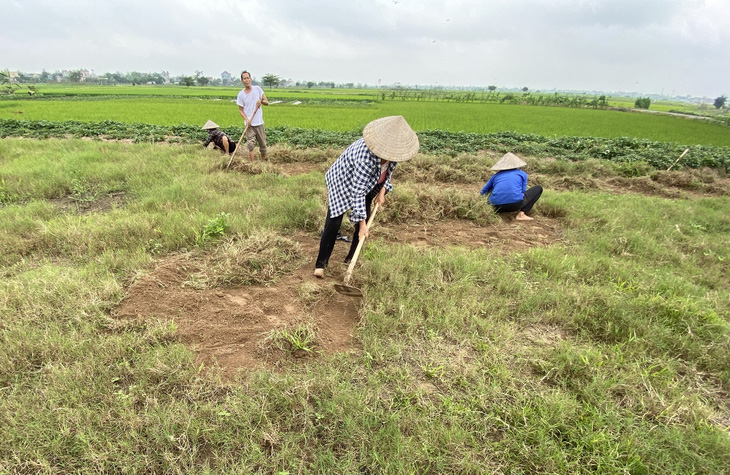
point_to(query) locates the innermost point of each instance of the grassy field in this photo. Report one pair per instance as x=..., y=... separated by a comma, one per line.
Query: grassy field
x=333, y=94
x=606, y=351
x=453, y=117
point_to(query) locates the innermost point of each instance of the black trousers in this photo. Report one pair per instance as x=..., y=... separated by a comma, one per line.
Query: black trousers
x=529, y=200
x=329, y=235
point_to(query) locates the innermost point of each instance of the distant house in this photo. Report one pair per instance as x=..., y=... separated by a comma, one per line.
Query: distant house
x=14, y=76
x=226, y=77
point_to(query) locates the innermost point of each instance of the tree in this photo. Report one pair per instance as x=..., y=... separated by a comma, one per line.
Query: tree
x=524, y=89
x=492, y=88
x=271, y=80
x=157, y=78
x=75, y=76
x=642, y=102
x=720, y=102
x=136, y=78
x=117, y=78
x=187, y=81
x=6, y=85
x=9, y=86
x=202, y=80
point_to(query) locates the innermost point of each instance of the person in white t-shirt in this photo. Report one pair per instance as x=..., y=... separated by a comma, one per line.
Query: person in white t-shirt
x=249, y=101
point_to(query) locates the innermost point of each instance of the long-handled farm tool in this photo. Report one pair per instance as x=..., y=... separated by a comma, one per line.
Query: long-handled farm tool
x=345, y=288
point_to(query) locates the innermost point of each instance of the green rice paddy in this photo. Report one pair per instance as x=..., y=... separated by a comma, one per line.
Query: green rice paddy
x=352, y=113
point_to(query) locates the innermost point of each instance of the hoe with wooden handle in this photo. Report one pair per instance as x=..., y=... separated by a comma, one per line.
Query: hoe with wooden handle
x=238, y=145
x=345, y=288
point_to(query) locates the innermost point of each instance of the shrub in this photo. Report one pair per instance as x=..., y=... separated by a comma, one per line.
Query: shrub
x=642, y=103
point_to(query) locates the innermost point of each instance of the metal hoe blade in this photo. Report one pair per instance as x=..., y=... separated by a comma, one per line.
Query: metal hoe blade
x=348, y=290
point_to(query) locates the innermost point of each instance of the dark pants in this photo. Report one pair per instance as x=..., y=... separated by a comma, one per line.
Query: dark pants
x=231, y=146
x=329, y=235
x=219, y=144
x=529, y=200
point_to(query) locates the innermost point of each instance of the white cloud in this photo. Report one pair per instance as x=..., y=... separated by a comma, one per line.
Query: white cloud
x=642, y=45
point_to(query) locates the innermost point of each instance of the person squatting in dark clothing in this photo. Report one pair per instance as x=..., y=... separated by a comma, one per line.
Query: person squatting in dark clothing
x=220, y=139
x=507, y=188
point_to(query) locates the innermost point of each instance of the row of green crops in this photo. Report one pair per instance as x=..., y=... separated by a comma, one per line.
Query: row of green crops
x=625, y=150
x=346, y=116
x=78, y=91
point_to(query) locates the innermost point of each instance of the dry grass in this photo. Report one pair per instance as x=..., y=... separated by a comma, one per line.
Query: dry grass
x=254, y=260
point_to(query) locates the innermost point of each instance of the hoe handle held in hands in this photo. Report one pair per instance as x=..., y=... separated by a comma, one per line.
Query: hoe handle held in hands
x=238, y=145
x=351, y=267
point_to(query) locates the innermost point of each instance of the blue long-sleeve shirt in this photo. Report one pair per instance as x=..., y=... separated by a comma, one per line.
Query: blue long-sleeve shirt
x=506, y=186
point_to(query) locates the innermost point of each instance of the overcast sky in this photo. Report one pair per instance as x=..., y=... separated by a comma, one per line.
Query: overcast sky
x=674, y=47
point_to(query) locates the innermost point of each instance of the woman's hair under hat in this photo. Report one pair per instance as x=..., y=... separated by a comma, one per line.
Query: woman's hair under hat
x=391, y=138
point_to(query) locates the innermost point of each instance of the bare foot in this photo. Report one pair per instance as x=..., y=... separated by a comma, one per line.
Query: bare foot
x=319, y=273
x=523, y=217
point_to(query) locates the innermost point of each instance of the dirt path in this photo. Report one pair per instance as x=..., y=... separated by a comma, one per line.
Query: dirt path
x=232, y=327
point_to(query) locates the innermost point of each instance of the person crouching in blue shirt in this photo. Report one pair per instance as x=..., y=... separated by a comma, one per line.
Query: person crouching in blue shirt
x=361, y=174
x=508, y=188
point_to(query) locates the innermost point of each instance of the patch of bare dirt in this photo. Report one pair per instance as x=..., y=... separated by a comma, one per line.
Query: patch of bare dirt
x=291, y=169
x=230, y=327
x=544, y=335
x=85, y=205
x=103, y=139
x=507, y=236
x=287, y=168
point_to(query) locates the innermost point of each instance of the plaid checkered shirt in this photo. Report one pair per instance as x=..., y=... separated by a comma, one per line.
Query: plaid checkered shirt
x=352, y=177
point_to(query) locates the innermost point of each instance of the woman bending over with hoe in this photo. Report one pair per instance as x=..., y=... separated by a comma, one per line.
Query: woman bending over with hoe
x=361, y=174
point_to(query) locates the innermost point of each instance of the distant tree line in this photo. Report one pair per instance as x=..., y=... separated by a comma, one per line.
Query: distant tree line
x=269, y=80
x=83, y=75
x=489, y=95
x=134, y=78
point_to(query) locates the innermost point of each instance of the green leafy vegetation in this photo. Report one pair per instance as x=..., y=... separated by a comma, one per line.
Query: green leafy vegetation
x=623, y=149
x=642, y=102
x=213, y=229
x=299, y=340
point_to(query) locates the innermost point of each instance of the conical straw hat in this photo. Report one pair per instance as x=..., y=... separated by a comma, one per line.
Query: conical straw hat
x=391, y=138
x=508, y=162
x=210, y=125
